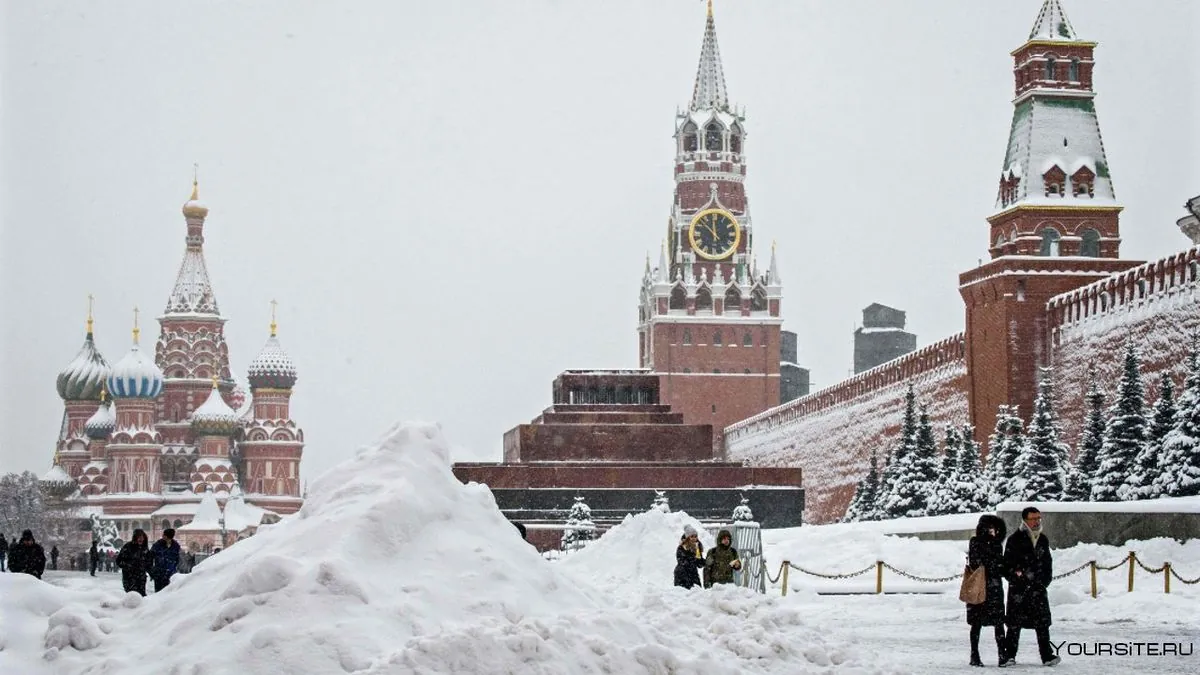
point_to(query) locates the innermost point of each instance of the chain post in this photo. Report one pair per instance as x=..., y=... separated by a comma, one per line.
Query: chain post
x=1093, y=566
x=1166, y=577
x=878, y=577
x=786, y=565
x=1132, y=562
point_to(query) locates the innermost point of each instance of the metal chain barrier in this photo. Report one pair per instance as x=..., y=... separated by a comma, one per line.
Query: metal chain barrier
x=847, y=575
x=1131, y=558
x=931, y=580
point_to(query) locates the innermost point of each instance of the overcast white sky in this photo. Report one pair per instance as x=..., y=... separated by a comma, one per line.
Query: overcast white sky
x=453, y=201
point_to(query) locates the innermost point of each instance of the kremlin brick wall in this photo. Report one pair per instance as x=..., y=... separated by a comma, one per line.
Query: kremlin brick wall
x=831, y=433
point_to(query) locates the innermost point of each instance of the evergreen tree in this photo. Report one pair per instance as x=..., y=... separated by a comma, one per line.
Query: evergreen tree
x=1124, y=435
x=864, y=505
x=942, y=501
x=916, y=475
x=897, y=459
x=1005, y=445
x=579, y=529
x=1180, y=476
x=1087, y=459
x=1143, y=482
x=1042, y=464
x=661, y=502
x=972, y=488
x=742, y=512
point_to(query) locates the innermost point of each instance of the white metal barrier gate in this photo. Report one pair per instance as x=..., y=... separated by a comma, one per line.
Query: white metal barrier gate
x=747, y=539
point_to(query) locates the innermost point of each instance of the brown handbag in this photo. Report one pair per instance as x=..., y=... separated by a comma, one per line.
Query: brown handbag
x=973, y=590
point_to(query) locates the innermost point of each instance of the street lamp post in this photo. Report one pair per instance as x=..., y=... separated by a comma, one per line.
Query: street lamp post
x=221, y=522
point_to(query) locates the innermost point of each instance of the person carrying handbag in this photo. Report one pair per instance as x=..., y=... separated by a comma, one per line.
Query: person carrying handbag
x=984, y=552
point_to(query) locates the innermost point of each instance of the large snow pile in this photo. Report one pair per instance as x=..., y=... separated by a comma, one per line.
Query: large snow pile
x=639, y=550
x=393, y=566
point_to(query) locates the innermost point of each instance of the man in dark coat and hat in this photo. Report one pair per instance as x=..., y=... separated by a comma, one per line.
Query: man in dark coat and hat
x=27, y=556
x=722, y=561
x=1029, y=569
x=986, y=549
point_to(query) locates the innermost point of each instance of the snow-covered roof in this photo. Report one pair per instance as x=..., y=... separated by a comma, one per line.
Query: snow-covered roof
x=272, y=367
x=239, y=515
x=1051, y=131
x=208, y=516
x=214, y=415
x=56, y=474
x=192, y=293
x=135, y=376
x=1052, y=24
x=102, y=422
x=177, y=509
x=83, y=378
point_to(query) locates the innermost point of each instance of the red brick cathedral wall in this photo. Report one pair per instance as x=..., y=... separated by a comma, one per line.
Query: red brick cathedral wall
x=1157, y=305
x=832, y=432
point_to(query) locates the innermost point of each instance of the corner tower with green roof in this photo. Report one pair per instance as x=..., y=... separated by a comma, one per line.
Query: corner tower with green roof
x=1055, y=223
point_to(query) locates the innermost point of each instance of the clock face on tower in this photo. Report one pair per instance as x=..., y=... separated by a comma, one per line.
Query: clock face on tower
x=714, y=234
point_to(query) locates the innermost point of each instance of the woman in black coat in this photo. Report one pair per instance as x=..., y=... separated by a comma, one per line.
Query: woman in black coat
x=134, y=561
x=985, y=549
x=689, y=558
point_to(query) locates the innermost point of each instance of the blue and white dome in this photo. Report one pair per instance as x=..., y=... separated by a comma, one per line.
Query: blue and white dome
x=135, y=376
x=102, y=422
x=83, y=378
x=272, y=368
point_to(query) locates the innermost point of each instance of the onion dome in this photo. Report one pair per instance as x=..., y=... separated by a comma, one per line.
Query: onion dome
x=272, y=368
x=214, y=416
x=136, y=375
x=57, y=477
x=83, y=378
x=102, y=422
x=193, y=207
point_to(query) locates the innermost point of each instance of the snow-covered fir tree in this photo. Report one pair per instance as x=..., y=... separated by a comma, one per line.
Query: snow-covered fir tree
x=915, y=475
x=1005, y=445
x=941, y=501
x=579, y=528
x=742, y=512
x=1180, y=460
x=897, y=455
x=971, y=495
x=1043, y=462
x=1143, y=481
x=1087, y=456
x=1124, y=435
x=661, y=502
x=865, y=503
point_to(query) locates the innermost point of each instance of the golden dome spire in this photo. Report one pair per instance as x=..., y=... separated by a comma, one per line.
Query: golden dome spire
x=710, y=7
x=136, y=331
x=91, y=299
x=192, y=208
x=215, y=381
x=274, y=325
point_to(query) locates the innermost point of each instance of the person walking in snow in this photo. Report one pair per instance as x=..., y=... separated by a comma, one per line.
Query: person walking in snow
x=3, y=551
x=165, y=554
x=986, y=550
x=722, y=561
x=689, y=558
x=134, y=560
x=54, y=557
x=27, y=556
x=1029, y=569
x=94, y=556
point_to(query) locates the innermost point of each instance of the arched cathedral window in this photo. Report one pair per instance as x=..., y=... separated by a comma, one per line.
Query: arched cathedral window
x=1090, y=244
x=1050, y=238
x=712, y=137
x=691, y=140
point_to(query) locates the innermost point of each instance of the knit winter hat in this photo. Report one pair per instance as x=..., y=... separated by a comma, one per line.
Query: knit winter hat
x=688, y=530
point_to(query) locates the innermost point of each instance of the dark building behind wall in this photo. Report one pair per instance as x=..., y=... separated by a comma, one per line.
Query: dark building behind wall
x=881, y=338
x=794, y=380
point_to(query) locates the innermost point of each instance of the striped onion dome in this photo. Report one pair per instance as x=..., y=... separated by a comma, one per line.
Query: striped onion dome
x=214, y=416
x=135, y=376
x=83, y=378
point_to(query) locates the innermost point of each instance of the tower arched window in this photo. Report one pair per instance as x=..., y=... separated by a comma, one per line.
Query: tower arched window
x=713, y=140
x=691, y=138
x=733, y=300
x=1050, y=238
x=1089, y=245
x=1051, y=68
x=1055, y=180
x=704, y=301
x=678, y=298
x=758, y=300
x=1073, y=70
x=735, y=140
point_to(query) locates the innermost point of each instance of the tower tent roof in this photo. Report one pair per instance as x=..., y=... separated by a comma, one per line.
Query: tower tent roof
x=709, y=92
x=1052, y=24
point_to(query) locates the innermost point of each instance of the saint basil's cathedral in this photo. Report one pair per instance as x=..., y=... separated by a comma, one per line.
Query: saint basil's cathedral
x=172, y=440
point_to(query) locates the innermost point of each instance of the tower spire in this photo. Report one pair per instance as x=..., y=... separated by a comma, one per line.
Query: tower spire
x=274, y=326
x=709, y=92
x=91, y=300
x=1052, y=23
x=136, y=331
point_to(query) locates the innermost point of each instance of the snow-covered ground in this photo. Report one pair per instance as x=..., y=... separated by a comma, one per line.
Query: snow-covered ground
x=392, y=566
